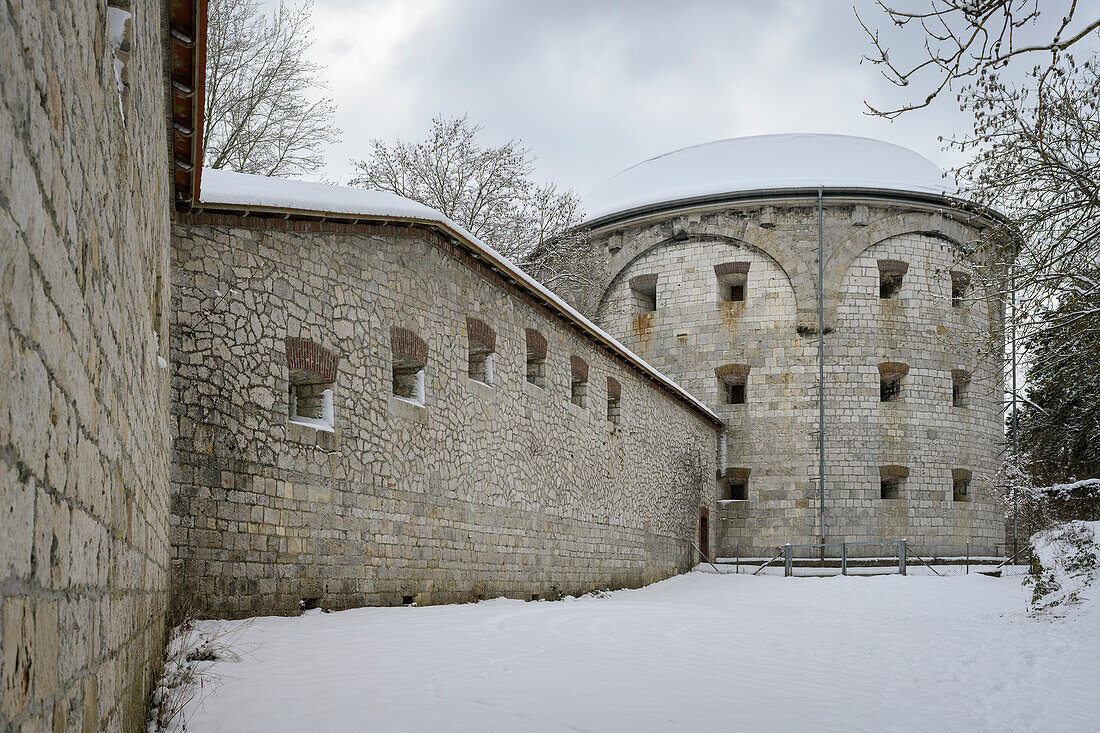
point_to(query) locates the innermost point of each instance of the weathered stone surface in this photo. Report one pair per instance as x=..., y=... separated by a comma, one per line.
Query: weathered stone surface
x=83, y=406
x=486, y=489
x=774, y=330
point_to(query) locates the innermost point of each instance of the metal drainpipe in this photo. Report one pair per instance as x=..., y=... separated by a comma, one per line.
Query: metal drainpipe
x=820, y=367
x=1015, y=430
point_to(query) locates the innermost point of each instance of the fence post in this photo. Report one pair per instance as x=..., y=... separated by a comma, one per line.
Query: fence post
x=901, y=557
x=843, y=558
x=968, y=557
x=788, y=565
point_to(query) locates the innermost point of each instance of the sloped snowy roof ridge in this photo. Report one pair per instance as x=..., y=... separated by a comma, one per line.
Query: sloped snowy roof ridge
x=767, y=163
x=227, y=189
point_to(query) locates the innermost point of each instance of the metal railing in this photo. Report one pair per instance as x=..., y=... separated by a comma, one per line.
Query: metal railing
x=875, y=558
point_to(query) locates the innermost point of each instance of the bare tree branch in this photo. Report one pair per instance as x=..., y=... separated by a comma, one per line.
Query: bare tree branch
x=489, y=191
x=964, y=39
x=259, y=118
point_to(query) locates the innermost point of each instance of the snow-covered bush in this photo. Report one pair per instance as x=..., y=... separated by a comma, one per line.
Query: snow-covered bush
x=1063, y=566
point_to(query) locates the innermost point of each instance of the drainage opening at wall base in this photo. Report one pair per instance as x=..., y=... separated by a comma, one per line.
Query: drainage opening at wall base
x=408, y=600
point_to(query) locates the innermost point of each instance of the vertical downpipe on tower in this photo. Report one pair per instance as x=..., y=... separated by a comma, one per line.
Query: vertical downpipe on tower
x=820, y=367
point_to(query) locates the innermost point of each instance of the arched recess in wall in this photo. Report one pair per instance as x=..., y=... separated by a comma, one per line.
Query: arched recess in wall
x=923, y=266
x=625, y=267
x=877, y=232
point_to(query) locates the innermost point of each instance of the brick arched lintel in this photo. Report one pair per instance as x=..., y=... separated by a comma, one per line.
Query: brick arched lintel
x=308, y=362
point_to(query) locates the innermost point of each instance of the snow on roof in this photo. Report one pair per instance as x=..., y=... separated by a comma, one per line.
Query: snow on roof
x=226, y=189
x=246, y=190
x=767, y=162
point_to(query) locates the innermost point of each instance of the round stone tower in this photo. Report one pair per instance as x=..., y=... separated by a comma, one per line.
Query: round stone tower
x=712, y=277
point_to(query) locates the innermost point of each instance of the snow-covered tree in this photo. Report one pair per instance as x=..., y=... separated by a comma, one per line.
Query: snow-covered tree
x=1059, y=423
x=1035, y=156
x=262, y=113
x=489, y=190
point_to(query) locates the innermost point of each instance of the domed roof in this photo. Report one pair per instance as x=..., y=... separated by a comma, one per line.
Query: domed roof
x=767, y=163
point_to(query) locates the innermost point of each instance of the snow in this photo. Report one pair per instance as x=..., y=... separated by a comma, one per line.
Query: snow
x=117, y=18
x=1088, y=483
x=227, y=188
x=243, y=189
x=767, y=162
x=699, y=651
x=1069, y=555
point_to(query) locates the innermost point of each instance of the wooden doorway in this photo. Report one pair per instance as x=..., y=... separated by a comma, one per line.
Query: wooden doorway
x=704, y=533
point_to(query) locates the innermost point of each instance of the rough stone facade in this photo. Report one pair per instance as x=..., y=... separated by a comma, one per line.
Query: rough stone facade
x=494, y=485
x=84, y=451
x=709, y=338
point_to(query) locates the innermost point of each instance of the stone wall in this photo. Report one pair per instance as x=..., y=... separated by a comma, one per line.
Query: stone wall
x=772, y=333
x=485, y=489
x=83, y=404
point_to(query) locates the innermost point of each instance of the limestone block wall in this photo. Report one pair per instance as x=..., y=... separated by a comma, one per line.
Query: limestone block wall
x=772, y=332
x=83, y=404
x=484, y=489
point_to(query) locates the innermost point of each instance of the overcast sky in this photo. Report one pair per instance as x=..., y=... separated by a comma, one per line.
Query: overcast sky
x=594, y=87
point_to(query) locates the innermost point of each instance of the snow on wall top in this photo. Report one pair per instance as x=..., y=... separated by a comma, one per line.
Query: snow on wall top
x=243, y=189
x=767, y=162
x=221, y=188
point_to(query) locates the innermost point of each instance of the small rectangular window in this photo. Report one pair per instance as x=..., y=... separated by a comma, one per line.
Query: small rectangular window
x=578, y=384
x=960, y=386
x=578, y=392
x=889, y=388
x=482, y=343
x=732, y=281
x=311, y=373
x=735, y=492
x=891, y=375
x=892, y=481
x=735, y=394
x=614, y=391
x=643, y=289
x=960, y=484
x=481, y=366
x=408, y=382
x=410, y=354
x=732, y=379
x=734, y=484
x=536, y=357
x=891, y=274
x=960, y=285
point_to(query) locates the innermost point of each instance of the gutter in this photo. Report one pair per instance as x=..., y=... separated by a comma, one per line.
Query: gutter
x=766, y=195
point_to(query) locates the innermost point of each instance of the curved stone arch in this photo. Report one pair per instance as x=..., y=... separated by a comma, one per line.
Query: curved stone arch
x=841, y=259
x=750, y=235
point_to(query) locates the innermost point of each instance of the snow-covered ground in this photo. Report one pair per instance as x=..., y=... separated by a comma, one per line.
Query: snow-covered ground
x=697, y=652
